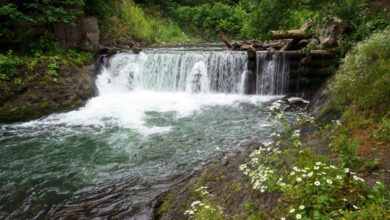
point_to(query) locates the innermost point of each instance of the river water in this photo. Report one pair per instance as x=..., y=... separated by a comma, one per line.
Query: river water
x=159, y=116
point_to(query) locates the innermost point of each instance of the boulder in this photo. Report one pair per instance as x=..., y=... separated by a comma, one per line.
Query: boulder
x=39, y=97
x=297, y=100
x=331, y=33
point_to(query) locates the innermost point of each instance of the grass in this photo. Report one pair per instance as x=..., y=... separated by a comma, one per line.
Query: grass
x=125, y=21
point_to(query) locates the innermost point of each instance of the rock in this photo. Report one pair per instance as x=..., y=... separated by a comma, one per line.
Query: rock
x=297, y=100
x=83, y=34
x=251, y=52
x=278, y=105
x=91, y=34
x=41, y=97
x=330, y=34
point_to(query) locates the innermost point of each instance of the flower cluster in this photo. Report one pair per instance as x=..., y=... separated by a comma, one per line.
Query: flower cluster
x=205, y=205
x=318, y=175
x=258, y=170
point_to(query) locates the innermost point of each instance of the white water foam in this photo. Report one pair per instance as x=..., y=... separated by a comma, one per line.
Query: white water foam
x=133, y=85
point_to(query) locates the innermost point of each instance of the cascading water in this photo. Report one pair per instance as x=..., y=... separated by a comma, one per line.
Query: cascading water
x=272, y=73
x=206, y=72
x=159, y=116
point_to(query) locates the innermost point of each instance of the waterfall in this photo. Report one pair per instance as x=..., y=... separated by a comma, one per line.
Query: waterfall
x=272, y=73
x=193, y=72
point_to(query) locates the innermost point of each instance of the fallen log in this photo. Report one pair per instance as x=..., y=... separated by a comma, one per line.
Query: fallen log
x=290, y=34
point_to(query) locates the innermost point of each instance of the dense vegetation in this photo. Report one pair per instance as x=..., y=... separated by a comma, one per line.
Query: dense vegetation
x=322, y=170
x=311, y=186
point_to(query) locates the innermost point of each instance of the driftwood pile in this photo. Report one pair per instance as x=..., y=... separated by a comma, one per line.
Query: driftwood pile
x=293, y=40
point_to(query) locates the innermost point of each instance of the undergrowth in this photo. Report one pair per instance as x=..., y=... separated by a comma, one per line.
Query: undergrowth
x=18, y=68
x=122, y=22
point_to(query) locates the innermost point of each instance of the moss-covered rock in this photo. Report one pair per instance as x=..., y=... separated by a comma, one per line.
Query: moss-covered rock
x=39, y=96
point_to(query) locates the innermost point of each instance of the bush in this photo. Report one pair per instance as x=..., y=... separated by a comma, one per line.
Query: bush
x=124, y=21
x=8, y=63
x=383, y=130
x=364, y=77
x=17, y=69
x=208, y=20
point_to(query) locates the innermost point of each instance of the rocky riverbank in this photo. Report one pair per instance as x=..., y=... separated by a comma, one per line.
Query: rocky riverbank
x=223, y=191
x=40, y=95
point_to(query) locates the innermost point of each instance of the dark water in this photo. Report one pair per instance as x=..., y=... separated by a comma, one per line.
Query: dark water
x=57, y=168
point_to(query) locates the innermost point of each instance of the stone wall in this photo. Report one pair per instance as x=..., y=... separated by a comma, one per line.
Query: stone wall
x=83, y=34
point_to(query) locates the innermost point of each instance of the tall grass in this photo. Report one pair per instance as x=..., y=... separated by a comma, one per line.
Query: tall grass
x=124, y=21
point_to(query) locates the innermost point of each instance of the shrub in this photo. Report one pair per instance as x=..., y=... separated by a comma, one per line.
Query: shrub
x=383, y=130
x=8, y=63
x=208, y=20
x=364, y=76
x=124, y=21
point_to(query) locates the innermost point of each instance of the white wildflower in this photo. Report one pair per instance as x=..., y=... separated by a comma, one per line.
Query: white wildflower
x=358, y=178
x=292, y=210
x=316, y=167
x=299, y=179
x=195, y=203
x=301, y=207
x=329, y=182
x=189, y=212
x=339, y=177
x=318, y=163
x=346, y=170
x=310, y=174
x=355, y=207
x=317, y=183
x=298, y=216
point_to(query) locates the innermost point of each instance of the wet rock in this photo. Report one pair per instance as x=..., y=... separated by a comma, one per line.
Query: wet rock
x=297, y=100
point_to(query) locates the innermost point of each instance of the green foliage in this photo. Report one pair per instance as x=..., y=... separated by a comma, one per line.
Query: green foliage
x=34, y=11
x=17, y=69
x=345, y=146
x=124, y=21
x=311, y=187
x=8, y=63
x=206, y=208
x=209, y=20
x=41, y=11
x=383, y=130
x=364, y=77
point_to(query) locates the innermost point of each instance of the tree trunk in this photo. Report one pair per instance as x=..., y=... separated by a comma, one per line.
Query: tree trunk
x=290, y=34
